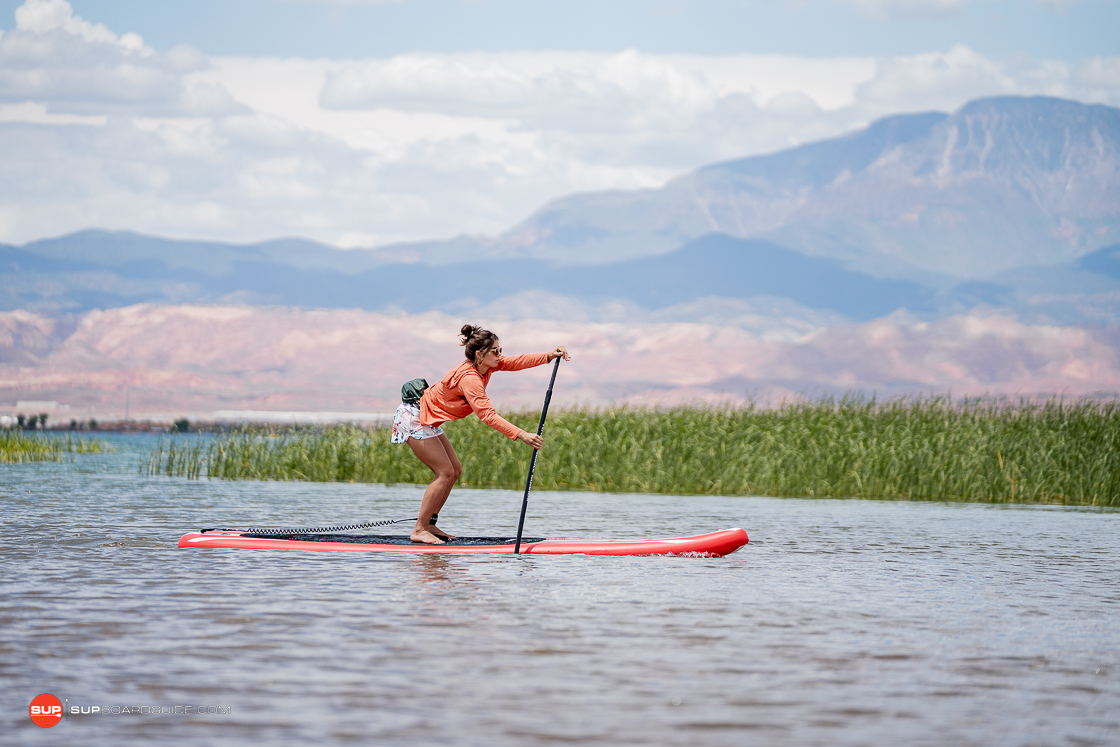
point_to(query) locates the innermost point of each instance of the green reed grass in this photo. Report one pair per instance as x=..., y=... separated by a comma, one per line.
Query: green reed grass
x=17, y=446
x=929, y=449
x=337, y=454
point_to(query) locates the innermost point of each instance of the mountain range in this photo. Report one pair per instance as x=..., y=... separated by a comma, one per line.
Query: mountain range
x=1001, y=183
x=1008, y=202
x=926, y=251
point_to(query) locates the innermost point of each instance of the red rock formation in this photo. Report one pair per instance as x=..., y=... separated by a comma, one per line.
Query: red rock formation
x=175, y=360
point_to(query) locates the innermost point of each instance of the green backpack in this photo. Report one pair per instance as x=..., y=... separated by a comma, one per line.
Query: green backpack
x=413, y=390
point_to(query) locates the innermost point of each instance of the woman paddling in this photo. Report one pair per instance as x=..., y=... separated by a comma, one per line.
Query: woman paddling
x=461, y=392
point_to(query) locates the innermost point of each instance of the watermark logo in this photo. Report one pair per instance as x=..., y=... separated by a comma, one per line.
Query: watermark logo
x=45, y=710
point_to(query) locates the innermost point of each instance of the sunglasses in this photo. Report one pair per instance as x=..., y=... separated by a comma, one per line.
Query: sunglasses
x=496, y=351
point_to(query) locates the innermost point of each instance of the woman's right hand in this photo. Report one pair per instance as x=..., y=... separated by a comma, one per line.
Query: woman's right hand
x=532, y=439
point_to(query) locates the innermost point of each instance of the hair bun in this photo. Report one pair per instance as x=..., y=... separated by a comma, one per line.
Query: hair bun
x=475, y=339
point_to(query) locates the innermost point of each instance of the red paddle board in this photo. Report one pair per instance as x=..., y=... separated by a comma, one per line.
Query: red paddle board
x=712, y=545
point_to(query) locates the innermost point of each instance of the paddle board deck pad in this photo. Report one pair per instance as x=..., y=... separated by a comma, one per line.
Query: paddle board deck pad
x=712, y=545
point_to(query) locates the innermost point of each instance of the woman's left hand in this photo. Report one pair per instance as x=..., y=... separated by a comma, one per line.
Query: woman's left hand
x=559, y=352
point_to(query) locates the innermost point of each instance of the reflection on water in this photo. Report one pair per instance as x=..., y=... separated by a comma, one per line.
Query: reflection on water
x=842, y=623
x=435, y=569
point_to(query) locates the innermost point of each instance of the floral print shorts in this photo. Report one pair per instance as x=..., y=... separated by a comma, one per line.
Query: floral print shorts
x=406, y=424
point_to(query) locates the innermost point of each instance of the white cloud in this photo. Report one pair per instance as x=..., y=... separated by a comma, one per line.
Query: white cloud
x=419, y=145
x=44, y=16
x=657, y=114
x=924, y=9
x=533, y=88
x=30, y=111
x=55, y=58
x=943, y=80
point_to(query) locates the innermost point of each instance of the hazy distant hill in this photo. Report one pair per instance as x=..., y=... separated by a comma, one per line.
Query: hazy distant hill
x=1009, y=202
x=107, y=269
x=97, y=269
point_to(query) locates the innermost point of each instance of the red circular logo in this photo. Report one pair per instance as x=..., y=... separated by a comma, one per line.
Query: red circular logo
x=45, y=710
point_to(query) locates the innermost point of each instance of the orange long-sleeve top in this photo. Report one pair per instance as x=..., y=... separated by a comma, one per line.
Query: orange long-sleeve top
x=463, y=391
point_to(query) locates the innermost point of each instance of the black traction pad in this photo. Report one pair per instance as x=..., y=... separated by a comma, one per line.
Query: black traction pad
x=390, y=539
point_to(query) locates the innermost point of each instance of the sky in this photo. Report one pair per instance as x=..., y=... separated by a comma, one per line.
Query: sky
x=363, y=123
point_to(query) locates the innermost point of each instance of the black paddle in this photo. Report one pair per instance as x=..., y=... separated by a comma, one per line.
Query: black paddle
x=533, y=462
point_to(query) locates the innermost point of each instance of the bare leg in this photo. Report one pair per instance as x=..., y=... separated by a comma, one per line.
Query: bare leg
x=458, y=473
x=438, y=455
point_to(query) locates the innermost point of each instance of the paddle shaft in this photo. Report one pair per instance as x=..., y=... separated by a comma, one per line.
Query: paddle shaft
x=533, y=461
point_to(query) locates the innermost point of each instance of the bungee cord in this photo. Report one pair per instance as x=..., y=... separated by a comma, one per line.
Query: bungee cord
x=315, y=530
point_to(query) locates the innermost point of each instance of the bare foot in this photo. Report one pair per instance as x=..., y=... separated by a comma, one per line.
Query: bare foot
x=440, y=533
x=424, y=537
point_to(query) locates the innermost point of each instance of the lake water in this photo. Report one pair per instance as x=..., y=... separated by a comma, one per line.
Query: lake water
x=841, y=623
